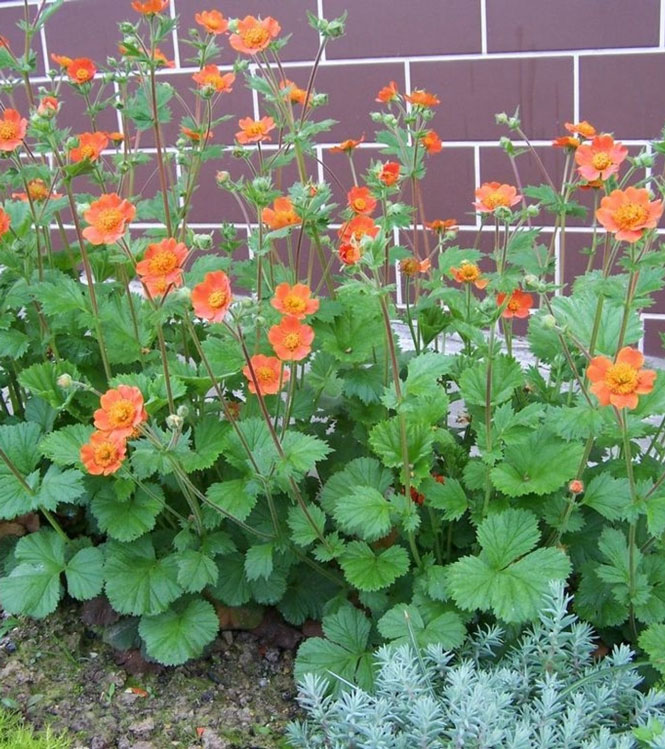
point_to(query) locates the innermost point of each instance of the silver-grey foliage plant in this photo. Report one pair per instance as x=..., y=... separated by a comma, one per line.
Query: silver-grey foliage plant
x=547, y=692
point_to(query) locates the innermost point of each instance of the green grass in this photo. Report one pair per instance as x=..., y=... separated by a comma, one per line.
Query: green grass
x=15, y=735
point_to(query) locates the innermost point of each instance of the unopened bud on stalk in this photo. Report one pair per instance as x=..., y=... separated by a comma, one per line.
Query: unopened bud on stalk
x=65, y=381
x=532, y=210
x=530, y=279
x=202, y=241
x=643, y=160
x=501, y=118
x=81, y=208
x=576, y=486
x=174, y=422
x=549, y=321
x=222, y=177
x=503, y=213
x=233, y=25
x=184, y=292
x=183, y=412
x=507, y=145
x=318, y=100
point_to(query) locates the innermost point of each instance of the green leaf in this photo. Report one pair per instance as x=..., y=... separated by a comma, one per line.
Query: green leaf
x=85, y=573
x=656, y=515
x=259, y=561
x=506, y=376
x=448, y=496
x=136, y=581
x=365, y=383
x=403, y=623
x=33, y=587
x=232, y=587
x=140, y=110
x=652, y=641
x=129, y=519
x=237, y=497
x=608, y=496
x=385, y=440
x=42, y=381
x=425, y=370
x=19, y=442
x=302, y=532
x=366, y=513
x=507, y=535
x=59, y=486
x=209, y=443
x=359, y=472
x=63, y=447
x=196, y=570
x=180, y=633
x=15, y=498
x=301, y=453
x=224, y=356
x=13, y=343
x=538, y=465
x=367, y=570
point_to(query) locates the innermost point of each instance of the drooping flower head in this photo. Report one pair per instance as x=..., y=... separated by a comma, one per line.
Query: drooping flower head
x=150, y=7
x=269, y=374
x=421, y=98
x=387, y=93
x=254, y=131
x=90, y=146
x=600, y=159
x=12, y=130
x=36, y=191
x=492, y=195
x=62, y=60
x=5, y=223
x=211, y=77
x=81, y=70
x=212, y=21
x=103, y=454
x=431, y=142
x=411, y=266
x=161, y=59
x=389, y=173
x=294, y=94
x=348, y=145
x=360, y=200
x=629, y=213
x=469, y=272
x=566, y=141
x=291, y=339
x=212, y=298
x=196, y=135
x=619, y=383
x=518, y=305
x=442, y=225
x=583, y=128
x=162, y=265
x=108, y=218
x=253, y=35
x=295, y=301
x=121, y=411
x=281, y=215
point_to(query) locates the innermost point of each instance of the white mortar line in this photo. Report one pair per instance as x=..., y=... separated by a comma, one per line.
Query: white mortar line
x=483, y=26
x=174, y=36
x=661, y=35
x=476, y=175
x=576, y=88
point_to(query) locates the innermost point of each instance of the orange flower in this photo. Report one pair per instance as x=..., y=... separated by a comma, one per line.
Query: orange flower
x=210, y=77
x=629, y=213
x=566, y=141
x=103, y=454
x=161, y=266
x=295, y=95
x=583, y=128
x=108, y=218
x=115, y=136
x=159, y=57
x=349, y=253
x=121, y=411
x=470, y=273
x=5, y=223
x=576, y=486
x=595, y=184
x=421, y=98
x=491, y=195
x=212, y=21
x=442, y=225
x=294, y=301
x=619, y=383
x=357, y=228
x=37, y=190
x=361, y=200
x=47, y=105
x=389, y=173
x=90, y=146
x=432, y=142
x=196, y=135
x=387, y=93
x=4, y=42
x=346, y=146
x=254, y=131
x=81, y=70
x=600, y=159
x=268, y=372
x=12, y=130
x=282, y=214
x=61, y=60
x=212, y=298
x=254, y=34
x=291, y=339
x=411, y=266
x=518, y=305
x=148, y=7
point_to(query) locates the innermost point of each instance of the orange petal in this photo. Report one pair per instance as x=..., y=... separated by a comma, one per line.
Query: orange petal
x=630, y=356
x=597, y=368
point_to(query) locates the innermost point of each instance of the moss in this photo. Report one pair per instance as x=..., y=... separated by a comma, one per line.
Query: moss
x=14, y=735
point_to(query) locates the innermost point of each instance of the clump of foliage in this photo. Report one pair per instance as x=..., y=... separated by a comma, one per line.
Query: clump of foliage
x=15, y=735
x=547, y=691
x=202, y=422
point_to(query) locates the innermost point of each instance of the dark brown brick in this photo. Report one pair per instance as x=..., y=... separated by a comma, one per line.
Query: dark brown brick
x=9, y=17
x=384, y=28
x=653, y=341
x=449, y=185
x=473, y=91
x=522, y=25
x=617, y=94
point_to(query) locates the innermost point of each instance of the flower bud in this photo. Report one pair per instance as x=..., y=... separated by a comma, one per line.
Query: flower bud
x=202, y=241
x=532, y=210
x=65, y=381
x=576, y=486
x=81, y=208
x=183, y=412
x=549, y=321
x=503, y=213
x=318, y=100
x=501, y=118
x=530, y=279
x=127, y=28
x=222, y=177
x=174, y=422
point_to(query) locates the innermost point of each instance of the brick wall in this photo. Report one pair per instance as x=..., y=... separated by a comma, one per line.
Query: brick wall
x=601, y=60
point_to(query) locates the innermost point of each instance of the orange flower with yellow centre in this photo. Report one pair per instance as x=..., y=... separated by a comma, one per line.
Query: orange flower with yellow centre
x=12, y=130
x=294, y=301
x=5, y=223
x=81, y=70
x=294, y=94
x=253, y=35
x=492, y=195
x=357, y=228
x=566, y=141
x=469, y=272
x=629, y=213
x=387, y=93
x=212, y=298
x=421, y=98
x=281, y=215
x=411, y=266
x=161, y=267
x=349, y=253
x=518, y=305
x=585, y=129
x=37, y=191
x=442, y=225
x=431, y=142
x=619, y=383
x=211, y=77
x=103, y=454
x=348, y=145
x=267, y=373
x=121, y=411
x=254, y=131
x=90, y=146
x=212, y=21
x=150, y=7
x=108, y=218
x=291, y=339
x=600, y=159
x=360, y=200
x=389, y=173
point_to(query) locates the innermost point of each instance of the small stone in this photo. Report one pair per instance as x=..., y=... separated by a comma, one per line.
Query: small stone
x=142, y=727
x=210, y=740
x=99, y=742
